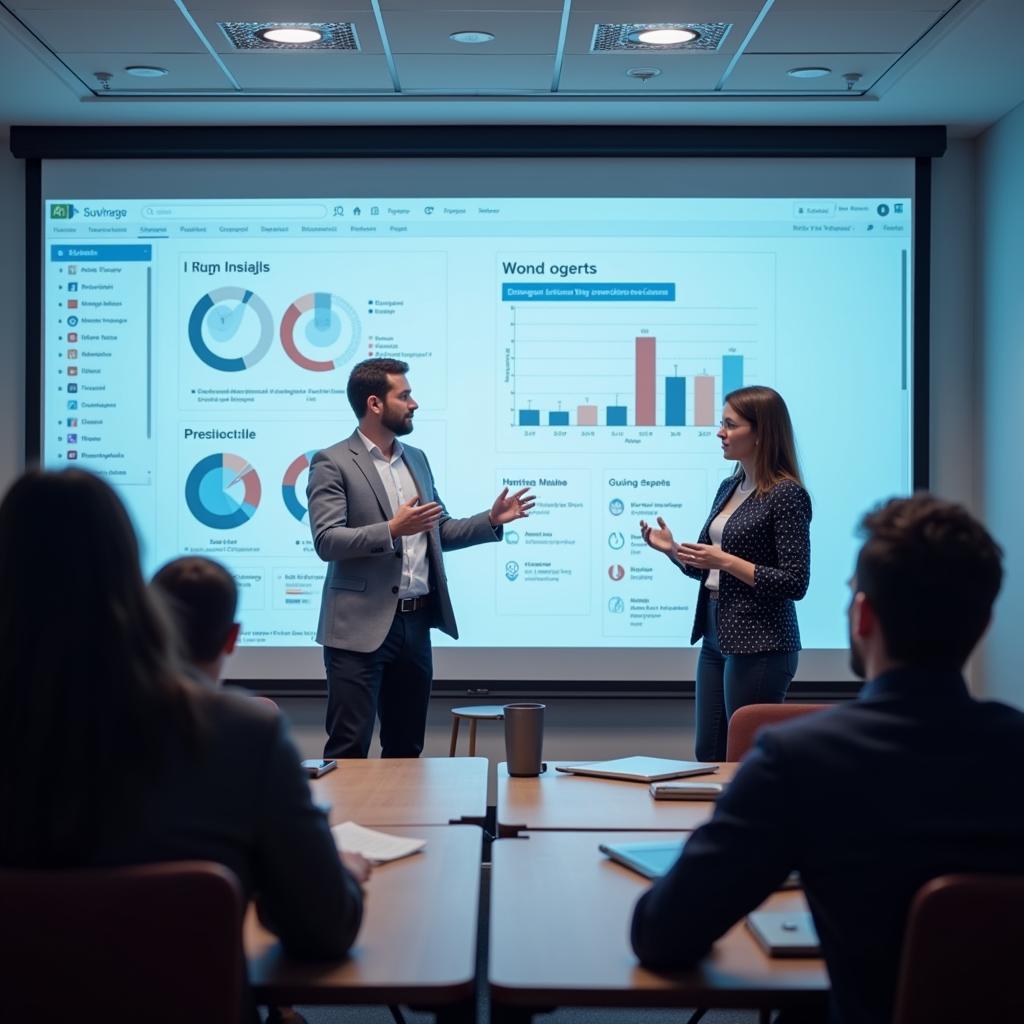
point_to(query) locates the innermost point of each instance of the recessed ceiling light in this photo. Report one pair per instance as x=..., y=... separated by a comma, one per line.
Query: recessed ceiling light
x=292, y=35
x=663, y=36
x=471, y=37
x=809, y=72
x=145, y=71
x=644, y=74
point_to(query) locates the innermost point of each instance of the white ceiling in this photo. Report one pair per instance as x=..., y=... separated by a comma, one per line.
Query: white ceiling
x=920, y=62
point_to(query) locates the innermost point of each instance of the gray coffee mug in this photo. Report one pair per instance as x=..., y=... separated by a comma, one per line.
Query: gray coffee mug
x=524, y=737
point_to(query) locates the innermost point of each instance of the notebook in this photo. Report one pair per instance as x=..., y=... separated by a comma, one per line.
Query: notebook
x=785, y=933
x=378, y=847
x=640, y=769
x=650, y=859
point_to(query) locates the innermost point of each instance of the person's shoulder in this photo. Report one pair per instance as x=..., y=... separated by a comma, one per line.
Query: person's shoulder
x=790, y=494
x=238, y=714
x=332, y=451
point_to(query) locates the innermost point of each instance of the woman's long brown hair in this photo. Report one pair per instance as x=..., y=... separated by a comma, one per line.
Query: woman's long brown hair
x=775, y=456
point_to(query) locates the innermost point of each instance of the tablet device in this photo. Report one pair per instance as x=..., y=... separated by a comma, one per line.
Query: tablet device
x=639, y=769
x=650, y=859
x=785, y=933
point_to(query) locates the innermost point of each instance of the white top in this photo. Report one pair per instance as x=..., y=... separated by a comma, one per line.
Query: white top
x=717, y=527
x=398, y=482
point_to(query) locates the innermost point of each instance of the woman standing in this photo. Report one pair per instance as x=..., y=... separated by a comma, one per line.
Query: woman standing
x=753, y=561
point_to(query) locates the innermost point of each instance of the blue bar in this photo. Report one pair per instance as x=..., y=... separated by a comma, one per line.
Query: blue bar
x=615, y=416
x=587, y=291
x=84, y=253
x=675, y=401
x=558, y=419
x=529, y=417
x=732, y=374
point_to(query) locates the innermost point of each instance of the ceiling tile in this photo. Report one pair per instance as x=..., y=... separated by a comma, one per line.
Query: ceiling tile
x=581, y=26
x=313, y=71
x=667, y=10
x=756, y=72
x=520, y=32
x=102, y=31
x=840, y=32
x=188, y=71
x=471, y=7
x=472, y=73
x=864, y=6
x=606, y=72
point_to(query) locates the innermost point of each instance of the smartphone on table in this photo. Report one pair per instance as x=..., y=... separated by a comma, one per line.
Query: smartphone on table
x=315, y=767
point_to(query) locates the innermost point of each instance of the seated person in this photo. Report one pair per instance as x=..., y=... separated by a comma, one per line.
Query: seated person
x=162, y=769
x=869, y=800
x=202, y=597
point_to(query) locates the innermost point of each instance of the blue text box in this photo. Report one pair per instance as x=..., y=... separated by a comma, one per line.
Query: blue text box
x=587, y=291
x=70, y=253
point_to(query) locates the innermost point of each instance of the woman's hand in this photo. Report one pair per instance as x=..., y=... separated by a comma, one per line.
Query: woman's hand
x=660, y=539
x=703, y=556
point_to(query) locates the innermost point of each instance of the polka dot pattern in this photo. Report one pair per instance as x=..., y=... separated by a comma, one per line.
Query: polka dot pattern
x=772, y=531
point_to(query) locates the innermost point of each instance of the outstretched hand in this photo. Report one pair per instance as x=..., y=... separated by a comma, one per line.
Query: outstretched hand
x=660, y=539
x=412, y=518
x=509, y=507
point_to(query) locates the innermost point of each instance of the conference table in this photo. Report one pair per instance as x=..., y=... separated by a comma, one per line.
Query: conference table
x=556, y=801
x=405, y=791
x=417, y=944
x=559, y=936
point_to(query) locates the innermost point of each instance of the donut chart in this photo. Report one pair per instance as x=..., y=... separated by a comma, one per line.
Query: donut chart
x=289, y=491
x=320, y=331
x=223, y=491
x=218, y=318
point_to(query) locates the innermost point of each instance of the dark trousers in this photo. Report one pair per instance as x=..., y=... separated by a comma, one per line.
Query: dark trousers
x=726, y=682
x=392, y=681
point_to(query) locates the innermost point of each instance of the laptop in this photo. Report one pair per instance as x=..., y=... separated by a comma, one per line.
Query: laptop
x=639, y=769
x=650, y=859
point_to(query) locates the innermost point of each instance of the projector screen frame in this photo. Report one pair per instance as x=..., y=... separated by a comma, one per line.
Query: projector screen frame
x=920, y=143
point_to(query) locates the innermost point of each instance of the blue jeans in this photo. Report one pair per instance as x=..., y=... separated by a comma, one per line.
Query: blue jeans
x=726, y=682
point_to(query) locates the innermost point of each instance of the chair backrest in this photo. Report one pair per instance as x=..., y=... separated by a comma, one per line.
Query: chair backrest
x=156, y=943
x=962, y=952
x=747, y=720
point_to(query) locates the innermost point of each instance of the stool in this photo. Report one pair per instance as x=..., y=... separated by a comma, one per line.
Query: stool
x=484, y=712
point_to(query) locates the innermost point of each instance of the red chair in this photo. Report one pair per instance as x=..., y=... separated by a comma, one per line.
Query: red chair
x=746, y=721
x=961, y=952
x=159, y=943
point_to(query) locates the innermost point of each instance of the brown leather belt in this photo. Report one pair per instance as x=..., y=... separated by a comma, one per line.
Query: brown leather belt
x=413, y=604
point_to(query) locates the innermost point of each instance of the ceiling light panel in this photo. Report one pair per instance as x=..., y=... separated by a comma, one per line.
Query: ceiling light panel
x=620, y=37
x=334, y=35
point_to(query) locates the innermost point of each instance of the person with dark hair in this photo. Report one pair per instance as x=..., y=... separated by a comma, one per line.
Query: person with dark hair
x=202, y=597
x=753, y=560
x=871, y=799
x=378, y=521
x=162, y=769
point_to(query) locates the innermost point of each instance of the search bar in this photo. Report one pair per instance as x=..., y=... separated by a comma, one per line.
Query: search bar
x=234, y=211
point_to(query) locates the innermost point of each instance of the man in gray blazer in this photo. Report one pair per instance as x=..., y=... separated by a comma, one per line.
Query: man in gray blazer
x=379, y=523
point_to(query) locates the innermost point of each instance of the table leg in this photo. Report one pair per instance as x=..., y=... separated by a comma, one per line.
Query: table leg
x=472, y=737
x=455, y=735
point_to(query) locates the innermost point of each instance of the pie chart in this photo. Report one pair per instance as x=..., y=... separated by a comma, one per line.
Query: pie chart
x=231, y=329
x=320, y=331
x=289, y=486
x=223, y=491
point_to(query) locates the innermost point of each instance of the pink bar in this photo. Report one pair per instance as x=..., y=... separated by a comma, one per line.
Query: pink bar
x=645, y=352
x=586, y=416
x=704, y=401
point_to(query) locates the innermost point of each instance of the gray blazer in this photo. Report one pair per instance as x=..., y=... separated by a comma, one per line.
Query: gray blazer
x=348, y=515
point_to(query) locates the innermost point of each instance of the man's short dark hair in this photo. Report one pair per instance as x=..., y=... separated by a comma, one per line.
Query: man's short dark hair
x=202, y=597
x=931, y=572
x=370, y=377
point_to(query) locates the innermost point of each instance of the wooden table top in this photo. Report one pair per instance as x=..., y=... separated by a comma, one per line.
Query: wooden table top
x=418, y=941
x=560, y=918
x=562, y=802
x=405, y=791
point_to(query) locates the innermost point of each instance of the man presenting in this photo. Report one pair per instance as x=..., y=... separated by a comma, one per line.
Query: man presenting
x=380, y=524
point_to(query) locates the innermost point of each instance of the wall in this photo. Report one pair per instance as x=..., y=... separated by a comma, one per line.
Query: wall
x=1000, y=330
x=12, y=302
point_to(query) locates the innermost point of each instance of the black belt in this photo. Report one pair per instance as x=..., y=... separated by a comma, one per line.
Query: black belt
x=413, y=604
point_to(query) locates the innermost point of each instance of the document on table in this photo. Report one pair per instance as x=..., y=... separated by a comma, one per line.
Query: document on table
x=376, y=846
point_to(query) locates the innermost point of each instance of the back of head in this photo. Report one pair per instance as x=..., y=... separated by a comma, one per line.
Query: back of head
x=764, y=408
x=370, y=377
x=201, y=596
x=931, y=572
x=87, y=683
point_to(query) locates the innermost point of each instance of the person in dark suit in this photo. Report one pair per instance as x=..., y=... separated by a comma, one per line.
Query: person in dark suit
x=378, y=521
x=871, y=799
x=161, y=769
x=753, y=560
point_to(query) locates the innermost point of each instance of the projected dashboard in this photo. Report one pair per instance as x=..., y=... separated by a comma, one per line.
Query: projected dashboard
x=196, y=354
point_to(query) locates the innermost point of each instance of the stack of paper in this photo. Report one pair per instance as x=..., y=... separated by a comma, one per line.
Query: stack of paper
x=378, y=847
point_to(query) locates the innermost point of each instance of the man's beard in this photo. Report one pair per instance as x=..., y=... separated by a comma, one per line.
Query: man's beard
x=398, y=425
